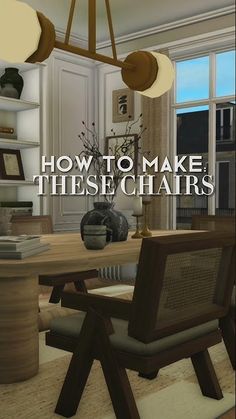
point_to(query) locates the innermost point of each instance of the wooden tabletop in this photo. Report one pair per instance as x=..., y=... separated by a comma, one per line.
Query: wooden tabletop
x=68, y=254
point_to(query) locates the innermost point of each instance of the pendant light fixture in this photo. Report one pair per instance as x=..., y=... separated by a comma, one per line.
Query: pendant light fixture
x=149, y=73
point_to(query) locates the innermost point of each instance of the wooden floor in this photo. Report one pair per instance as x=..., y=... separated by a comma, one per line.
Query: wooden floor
x=229, y=415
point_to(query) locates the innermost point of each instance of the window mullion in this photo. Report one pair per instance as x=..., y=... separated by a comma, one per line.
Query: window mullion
x=212, y=132
x=173, y=152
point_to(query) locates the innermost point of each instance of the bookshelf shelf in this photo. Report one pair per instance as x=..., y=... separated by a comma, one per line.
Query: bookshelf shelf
x=16, y=105
x=14, y=183
x=17, y=144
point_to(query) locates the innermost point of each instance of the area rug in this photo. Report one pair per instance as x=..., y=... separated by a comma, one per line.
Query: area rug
x=173, y=395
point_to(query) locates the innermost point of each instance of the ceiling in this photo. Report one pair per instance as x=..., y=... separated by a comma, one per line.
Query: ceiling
x=128, y=15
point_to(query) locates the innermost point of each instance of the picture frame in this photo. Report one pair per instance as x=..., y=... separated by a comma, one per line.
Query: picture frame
x=122, y=105
x=11, y=167
x=117, y=140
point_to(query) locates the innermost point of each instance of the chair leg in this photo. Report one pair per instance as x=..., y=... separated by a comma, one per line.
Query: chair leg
x=227, y=325
x=56, y=294
x=80, y=286
x=78, y=371
x=116, y=377
x=150, y=376
x=206, y=375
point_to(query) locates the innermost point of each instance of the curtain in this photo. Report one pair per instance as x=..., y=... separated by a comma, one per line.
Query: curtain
x=156, y=113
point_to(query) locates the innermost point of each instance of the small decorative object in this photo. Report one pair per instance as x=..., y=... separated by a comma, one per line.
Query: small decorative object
x=146, y=202
x=137, y=206
x=122, y=105
x=6, y=130
x=11, y=167
x=137, y=234
x=138, y=212
x=96, y=236
x=11, y=83
x=7, y=133
x=104, y=214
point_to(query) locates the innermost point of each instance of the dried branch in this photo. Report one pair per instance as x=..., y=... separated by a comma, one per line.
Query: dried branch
x=90, y=142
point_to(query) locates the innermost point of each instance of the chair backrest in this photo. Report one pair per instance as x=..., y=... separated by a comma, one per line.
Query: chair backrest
x=213, y=223
x=182, y=281
x=31, y=225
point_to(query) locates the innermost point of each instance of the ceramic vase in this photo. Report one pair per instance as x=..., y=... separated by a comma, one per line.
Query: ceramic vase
x=11, y=83
x=104, y=214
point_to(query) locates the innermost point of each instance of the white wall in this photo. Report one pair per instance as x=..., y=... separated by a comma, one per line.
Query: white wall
x=71, y=101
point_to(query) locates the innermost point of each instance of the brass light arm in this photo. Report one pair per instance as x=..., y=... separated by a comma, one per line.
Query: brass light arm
x=92, y=26
x=91, y=52
x=70, y=19
x=111, y=29
x=94, y=56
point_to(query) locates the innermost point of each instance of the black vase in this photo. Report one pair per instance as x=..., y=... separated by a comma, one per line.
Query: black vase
x=104, y=213
x=11, y=83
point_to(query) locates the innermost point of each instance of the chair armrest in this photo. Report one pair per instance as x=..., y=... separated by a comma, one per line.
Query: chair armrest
x=110, y=306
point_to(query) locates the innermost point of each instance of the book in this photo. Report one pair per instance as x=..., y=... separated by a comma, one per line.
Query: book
x=19, y=211
x=26, y=253
x=14, y=204
x=18, y=243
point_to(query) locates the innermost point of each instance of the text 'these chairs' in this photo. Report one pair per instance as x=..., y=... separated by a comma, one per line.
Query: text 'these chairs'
x=227, y=324
x=183, y=287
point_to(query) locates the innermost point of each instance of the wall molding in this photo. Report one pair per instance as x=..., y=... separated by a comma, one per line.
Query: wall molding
x=83, y=41
x=220, y=39
x=169, y=26
x=213, y=41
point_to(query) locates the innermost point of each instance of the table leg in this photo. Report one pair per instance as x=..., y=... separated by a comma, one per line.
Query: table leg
x=19, y=347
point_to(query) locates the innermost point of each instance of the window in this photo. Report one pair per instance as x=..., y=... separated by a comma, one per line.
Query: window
x=225, y=123
x=204, y=116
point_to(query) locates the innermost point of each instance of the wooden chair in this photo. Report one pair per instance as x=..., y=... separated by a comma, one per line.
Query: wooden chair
x=213, y=223
x=183, y=286
x=43, y=225
x=227, y=324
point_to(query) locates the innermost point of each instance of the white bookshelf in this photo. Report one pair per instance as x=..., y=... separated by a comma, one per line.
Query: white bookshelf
x=24, y=115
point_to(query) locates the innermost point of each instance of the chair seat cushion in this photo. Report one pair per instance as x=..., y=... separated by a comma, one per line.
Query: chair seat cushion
x=70, y=326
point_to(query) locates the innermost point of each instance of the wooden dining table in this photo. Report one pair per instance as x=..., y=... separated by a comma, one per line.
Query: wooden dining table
x=19, y=344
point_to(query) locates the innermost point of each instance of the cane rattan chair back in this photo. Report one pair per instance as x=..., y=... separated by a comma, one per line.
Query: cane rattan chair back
x=180, y=281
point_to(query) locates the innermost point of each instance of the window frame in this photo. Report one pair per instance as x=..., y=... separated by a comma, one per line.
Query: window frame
x=209, y=48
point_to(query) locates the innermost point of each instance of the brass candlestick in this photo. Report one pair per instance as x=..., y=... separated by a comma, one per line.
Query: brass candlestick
x=137, y=234
x=145, y=231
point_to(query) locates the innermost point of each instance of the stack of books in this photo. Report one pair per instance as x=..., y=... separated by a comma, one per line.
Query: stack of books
x=20, y=247
x=17, y=207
